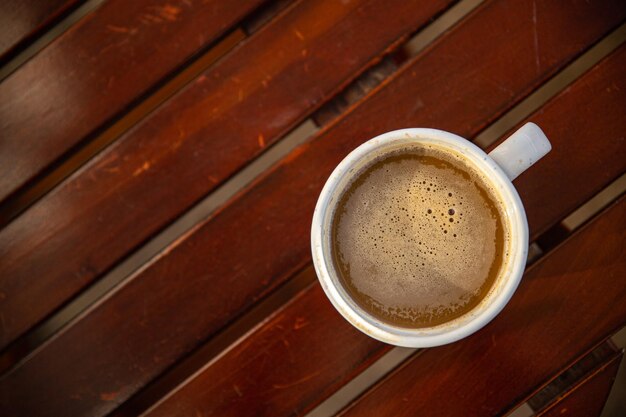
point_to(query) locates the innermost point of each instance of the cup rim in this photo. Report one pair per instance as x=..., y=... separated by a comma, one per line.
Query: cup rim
x=457, y=328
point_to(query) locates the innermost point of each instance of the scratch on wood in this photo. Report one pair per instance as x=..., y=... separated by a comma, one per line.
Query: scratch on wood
x=237, y=390
x=149, y=18
x=296, y=382
x=121, y=29
x=261, y=140
x=300, y=323
x=536, y=36
x=169, y=12
x=304, y=52
x=108, y=396
x=298, y=34
x=144, y=167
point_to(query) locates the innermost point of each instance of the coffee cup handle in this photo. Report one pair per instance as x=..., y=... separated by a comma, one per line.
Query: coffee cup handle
x=521, y=150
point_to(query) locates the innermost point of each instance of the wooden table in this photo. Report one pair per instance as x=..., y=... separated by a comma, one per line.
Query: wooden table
x=127, y=120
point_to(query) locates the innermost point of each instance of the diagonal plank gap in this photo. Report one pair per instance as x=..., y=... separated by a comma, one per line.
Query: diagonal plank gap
x=362, y=382
x=394, y=358
x=24, y=21
x=545, y=396
x=589, y=397
x=523, y=410
x=555, y=393
x=553, y=86
x=417, y=43
x=273, y=241
x=78, y=156
x=216, y=371
x=263, y=14
x=24, y=52
x=118, y=54
x=177, y=230
x=608, y=196
x=560, y=231
x=615, y=404
x=243, y=141
x=583, y=213
x=356, y=90
x=218, y=345
x=392, y=62
x=460, y=350
x=535, y=252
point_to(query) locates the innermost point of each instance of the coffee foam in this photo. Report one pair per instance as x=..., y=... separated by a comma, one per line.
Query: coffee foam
x=420, y=233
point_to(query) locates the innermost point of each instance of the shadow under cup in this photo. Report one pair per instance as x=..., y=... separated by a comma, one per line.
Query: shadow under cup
x=512, y=214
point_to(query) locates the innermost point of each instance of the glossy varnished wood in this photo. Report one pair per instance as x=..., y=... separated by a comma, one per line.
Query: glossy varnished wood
x=588, y=397
x=208, y=391
x=584, y=166
x=572, y=376
x=188, y=146
x=22, y=20
x=565, y=304
x=94, y=71
x=257, y=240
x=283, y=370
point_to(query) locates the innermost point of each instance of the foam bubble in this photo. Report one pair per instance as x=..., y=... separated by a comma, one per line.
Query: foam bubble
x=434, y=254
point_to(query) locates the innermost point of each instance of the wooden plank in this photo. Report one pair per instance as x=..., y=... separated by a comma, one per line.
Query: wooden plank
x=540, y=332
x=569, y=378
x=96, y=70
x=283, y=370
x=576, y=159
x=211, y=388
x=588, y=397
x=22, y=20
x=189, y=279
x=189, y=146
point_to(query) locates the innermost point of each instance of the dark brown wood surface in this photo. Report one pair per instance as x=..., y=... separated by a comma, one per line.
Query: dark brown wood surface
x=191, y=144
x=588, y=397
x=212, y=388
x=189, y=279
x=285, y=369
x=573, y=375
x=565, y=305
x=22, y=20
x=115, y=54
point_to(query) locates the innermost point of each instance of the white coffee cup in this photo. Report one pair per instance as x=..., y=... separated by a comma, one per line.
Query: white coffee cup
x=502, y=165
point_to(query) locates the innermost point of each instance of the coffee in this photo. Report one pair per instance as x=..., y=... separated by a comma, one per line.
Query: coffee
x=418, y=237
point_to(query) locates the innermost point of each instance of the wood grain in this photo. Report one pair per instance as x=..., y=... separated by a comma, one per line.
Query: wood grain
x=210, y=389
x=566, y=304
x=95, y=71
x=22, y=20
x=588, y=397
x=285, y=369
x=569, y=378
x=262, y=236
x=187, y=147
x=573, y=159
